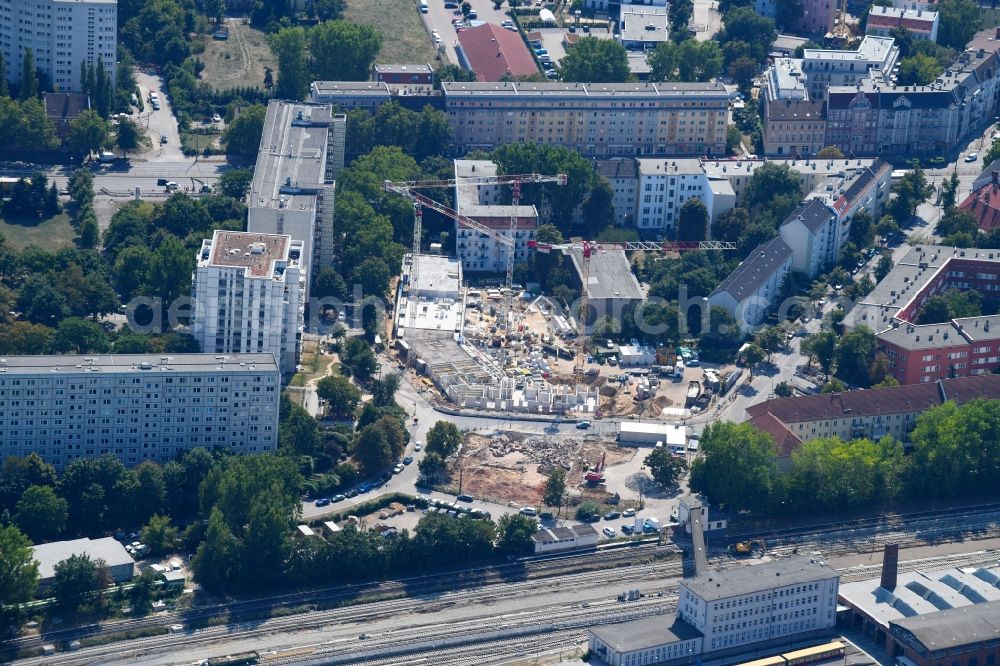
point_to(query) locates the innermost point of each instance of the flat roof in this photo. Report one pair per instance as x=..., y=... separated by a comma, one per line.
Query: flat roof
x=672, y=434
x=439, y=305
x=345, y=88
x=649, y=166
x=901, y=13
x=469, y=198
x=714, y=89
x=108, y=549
x=646, y=633
x=610, y=276
x=291, y=160
x=393, y=68
x=739, y=581
x=565, y=532
x=262, y=255
x=919, y=593
x=810, y=166
x=134, y=363
x=872, y=49
x=643, y=24
x=954, y=628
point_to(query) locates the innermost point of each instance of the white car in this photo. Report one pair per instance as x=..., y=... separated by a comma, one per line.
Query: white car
x=419, y=445
x=628, y=513
x=435, y=34
x=609, y=532
x=216, y=118
x=972, y=157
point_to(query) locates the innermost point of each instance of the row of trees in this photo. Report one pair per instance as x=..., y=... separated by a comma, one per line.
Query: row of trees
x=954, y=454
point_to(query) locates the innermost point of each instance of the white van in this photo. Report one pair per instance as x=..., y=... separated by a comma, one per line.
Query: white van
x=423, y=6
x=529, y=511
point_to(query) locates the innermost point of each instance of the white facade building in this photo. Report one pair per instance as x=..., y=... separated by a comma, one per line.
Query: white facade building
x=477, y=251
x=812, y=231
x=666, y=185
x=249, y=295
x=778, y=600
x=750, y=290
x=642, y=28
x=137, y=407
x=61, y=34
x=874, y=58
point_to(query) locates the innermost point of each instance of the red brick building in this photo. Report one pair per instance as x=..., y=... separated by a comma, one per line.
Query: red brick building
x=984, y=199
x=921, y=353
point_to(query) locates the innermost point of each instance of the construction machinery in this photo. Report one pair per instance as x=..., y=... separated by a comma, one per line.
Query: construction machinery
x=595, y=476
x=754, y=547
x=409, y=190
x=588, y=248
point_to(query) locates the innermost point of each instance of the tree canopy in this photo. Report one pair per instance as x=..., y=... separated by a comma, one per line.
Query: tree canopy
x=594, y=60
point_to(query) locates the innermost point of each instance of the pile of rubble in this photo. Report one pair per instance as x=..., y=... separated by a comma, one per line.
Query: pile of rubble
x=530, y=449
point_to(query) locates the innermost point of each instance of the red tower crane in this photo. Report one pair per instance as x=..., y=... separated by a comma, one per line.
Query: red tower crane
x=587, y=249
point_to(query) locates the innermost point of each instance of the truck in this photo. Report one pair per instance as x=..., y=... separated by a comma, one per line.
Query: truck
x=651, y=525
x=694, y=390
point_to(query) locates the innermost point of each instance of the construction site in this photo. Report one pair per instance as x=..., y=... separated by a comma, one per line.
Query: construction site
x=504, y=350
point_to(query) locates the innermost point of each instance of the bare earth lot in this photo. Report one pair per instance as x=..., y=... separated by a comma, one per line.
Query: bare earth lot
x=404, y=38
x=238, y=61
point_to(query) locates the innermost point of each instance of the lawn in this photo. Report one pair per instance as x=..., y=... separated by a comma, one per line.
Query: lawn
x=238, y=61
x=404, y=38
x=51, y=234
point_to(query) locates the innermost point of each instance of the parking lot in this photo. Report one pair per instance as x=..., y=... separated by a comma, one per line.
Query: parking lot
x=158, y=123
x=439, y=18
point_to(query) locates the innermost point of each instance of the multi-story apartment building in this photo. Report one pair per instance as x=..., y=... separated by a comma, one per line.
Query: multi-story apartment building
x=249, y=295
x=137, y=407
x=828, y=174
x=410, y=73
x=622, y=174
x=642, y=28
x=301, y=152
x=666, y=185
x=781, y=599
x=922, y=353
x=869, y=118
x=477, y=251
x=600, y=119
x=873, y=414
x=794, y=123
x=813, y=232
x=874, y=59
x=920, y=23
x=816, y=19
x=751, y=290
x=61, y=34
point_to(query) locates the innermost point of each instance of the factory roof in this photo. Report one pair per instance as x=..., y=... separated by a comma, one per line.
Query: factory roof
x=610, y=276
x=952, y=628
x=643, y=24
x=291, y=160
x=49, y=555
x=645, y=633
x=925, y=593
x=493, y=52
x=133, y=363
x=756, y=269
x=714, y=585
x=262, y=255
x=538, y=89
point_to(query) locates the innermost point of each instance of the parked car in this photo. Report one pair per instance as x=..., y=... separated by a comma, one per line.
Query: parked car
x=407, y=460
x=351, y=493
x=612, y=515
x=338, y=498
x=464, y=498
x=216, y=118
x=398, y=468
x=323, y=502
x=972, y=157
x=419, y=445
x=628, y=513
x=583, y=425
x=628, y=528
x=609, y=532
x=163, y=139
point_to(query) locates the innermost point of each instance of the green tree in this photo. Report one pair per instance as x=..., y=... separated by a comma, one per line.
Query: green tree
x=821, y=347
x=830, y=474
x=911, y=190
x=993, y=154
x=883, y=267
x=692, y=221
x=949, y=190
x=855, y=353
x=599, y=207
x=918, y=70
x=432, y=465
x=593, y=60
x=129, y=137
x=666, y=469
x=342, y=51
x=450, y=72
x=242, y=135
x=298, y=433
x=214, y=564
x=21, y=337
x=775, y=188
x=327, y=10
x=4, y=90
x=587, y=510
x=372, y=450
x=373, y=274
x=787, y=13
x=79, y=336
x=41, y=514
x=29, y=76
x=341, y=396
x=169, y=274
x=738, y=470
x=289, y=47
x=18, y=568
x=159, y=535
x=215, y=9
x=357, y=355
x=444, y=439
x=753, y=355
x=77, y=579
x=88, y=132
x=934, y=310
x=959, y=21
x=830, y=153
x=954, y=451
x=235, y=183
x=555, y=487
x=515, y=534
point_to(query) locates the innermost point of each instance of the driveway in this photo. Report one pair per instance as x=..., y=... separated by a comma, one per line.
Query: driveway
x=158, y=123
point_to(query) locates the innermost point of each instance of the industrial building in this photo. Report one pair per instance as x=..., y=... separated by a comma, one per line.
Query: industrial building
x=772, y=603
x=249, y=295
x=137, y=407
x=61, y=34
x=923, y=618
x=638, y=433
x=570, y=537
x=292, y=193
x=477, y=251
x=119, y=564
x=889, y=411
x=922, y=353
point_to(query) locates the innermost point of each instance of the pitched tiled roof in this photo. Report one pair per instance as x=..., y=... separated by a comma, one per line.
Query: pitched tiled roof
x=492, y=52
x=784, y=439
x=984, y=204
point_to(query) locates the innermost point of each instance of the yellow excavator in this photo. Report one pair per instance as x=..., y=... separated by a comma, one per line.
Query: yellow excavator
x=755, y=547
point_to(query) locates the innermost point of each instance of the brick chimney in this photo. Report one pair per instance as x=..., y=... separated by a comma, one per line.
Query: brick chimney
x=890, y=566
